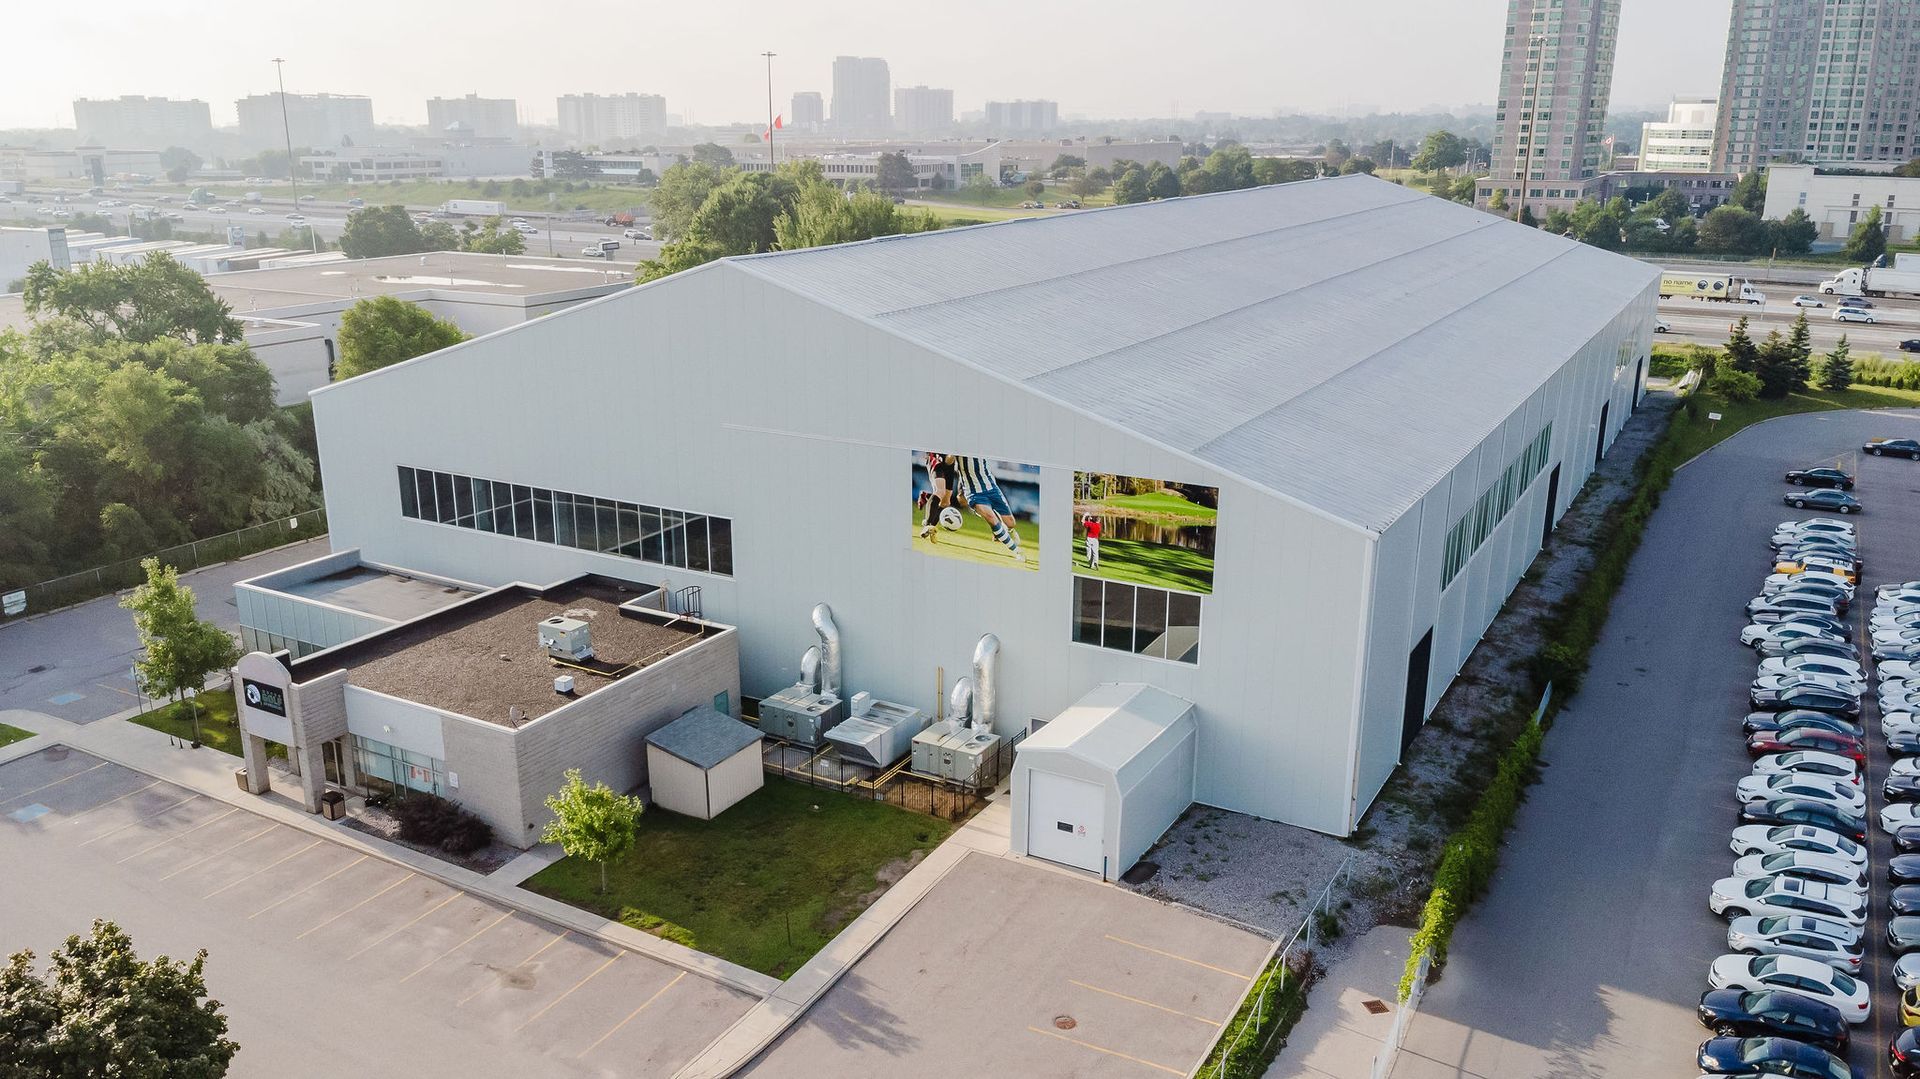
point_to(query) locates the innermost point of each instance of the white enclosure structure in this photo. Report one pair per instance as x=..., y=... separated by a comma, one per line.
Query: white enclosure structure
x=1370, y=404
x=703, y=762
x=1095, y=786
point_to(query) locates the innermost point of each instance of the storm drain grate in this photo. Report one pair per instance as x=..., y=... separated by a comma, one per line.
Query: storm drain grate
x=1374, y=1007
x=1065, y=1022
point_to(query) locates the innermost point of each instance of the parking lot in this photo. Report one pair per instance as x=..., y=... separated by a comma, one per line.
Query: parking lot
x=1589, y=953
x=330, y=961
x=1007, y=968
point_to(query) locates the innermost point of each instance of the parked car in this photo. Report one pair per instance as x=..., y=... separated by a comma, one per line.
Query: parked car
x=1839, y=595
x=1820, y=814
x=1757, y=634
x=1813, y=664
x=1895, y=725
x=1759, y=722
x=1807, y=977
x=1762, y=839
x=1765, y=609
x=1808, y=762
x=1834, y=943
x=1820, y=477
x=1825, y=868
x=1897, y=815
x=1902, y=787
x=1847, y=313
x=1813, y=524
x=1899, y=447
x=1817, y=646
x=1906, y=972
x=1758, y=1057
x=1825, y=741
x=1838, y=702
x=1904, y=899
x=1845, y=565
x=1735, y=897
x=1829, y=499
x=1781, y=683
x=1773, y=1013
x=1837, y=794
x=1807, y=301
x=1903, y=934
x=1903, y=1053
x=1906, y=840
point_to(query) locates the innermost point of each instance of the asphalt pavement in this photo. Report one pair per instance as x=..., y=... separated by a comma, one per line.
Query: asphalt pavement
x=1707, y=323
x=1589, y=952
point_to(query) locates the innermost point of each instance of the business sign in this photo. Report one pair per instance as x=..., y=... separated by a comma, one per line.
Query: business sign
x=264, y=697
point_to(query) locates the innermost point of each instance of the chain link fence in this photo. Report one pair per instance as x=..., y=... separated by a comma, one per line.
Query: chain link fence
x=104, y=580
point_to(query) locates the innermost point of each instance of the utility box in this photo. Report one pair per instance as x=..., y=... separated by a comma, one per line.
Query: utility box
x=797, y=714
x=954, y=751
x=567, y=638
x=878, y=732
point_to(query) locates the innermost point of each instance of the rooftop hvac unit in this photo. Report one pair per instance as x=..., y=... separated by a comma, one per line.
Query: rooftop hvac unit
x=798, y=714
x=878, y=733
x=955, y=751
x=567, y=638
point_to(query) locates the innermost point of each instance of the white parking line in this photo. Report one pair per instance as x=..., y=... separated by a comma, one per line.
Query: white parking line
x=177, y=835
x=139, y=820
x=263, y=869
x=310, y=887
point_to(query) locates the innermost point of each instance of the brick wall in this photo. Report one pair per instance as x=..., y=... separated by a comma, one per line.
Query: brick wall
x=482, y=755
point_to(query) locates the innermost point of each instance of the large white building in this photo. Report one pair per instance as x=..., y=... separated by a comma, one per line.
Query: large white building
x=604, y=119
x=315, y=121
x=1339, y=397
x=860, y=95
x=1838, y=202
x=1022, y=117
x=153, y=123
x=922, y=110
x=479, y=117
x=1684, y=141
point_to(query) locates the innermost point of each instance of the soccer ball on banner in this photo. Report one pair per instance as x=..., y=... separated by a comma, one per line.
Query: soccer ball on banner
x=951, y=520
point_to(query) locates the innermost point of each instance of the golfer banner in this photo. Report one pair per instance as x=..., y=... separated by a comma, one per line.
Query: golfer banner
x=1143, y=531
x=976, y=509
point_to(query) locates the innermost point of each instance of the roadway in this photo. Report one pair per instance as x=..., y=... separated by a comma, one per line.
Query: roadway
x=1706, y=323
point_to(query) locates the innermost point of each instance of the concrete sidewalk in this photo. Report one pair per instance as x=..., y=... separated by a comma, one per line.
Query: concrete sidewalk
x=1339, y=1035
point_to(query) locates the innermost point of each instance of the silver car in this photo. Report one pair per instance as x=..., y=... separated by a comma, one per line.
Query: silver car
x=1833, y=943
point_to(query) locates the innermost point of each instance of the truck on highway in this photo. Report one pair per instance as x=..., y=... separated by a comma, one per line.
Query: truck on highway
x=1712, y=287
x=474, y=207
x=1901, y=278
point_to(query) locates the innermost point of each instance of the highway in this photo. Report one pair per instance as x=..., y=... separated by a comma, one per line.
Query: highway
x=1706, y=323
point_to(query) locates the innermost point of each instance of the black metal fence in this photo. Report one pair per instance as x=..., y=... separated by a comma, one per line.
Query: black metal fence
x=936, y=796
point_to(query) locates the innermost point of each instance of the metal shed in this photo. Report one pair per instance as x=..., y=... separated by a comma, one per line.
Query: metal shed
x=1096, y=786
x=703, y=762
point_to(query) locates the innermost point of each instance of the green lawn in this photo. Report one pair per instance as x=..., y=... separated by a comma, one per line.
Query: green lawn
x=974, y=541
x=766, y=884
x=219, y=726
x=10, y=735
x=1156, y=565
x=1702, y=434
x=1150, y=504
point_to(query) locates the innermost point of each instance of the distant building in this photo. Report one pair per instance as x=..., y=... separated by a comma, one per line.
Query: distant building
x=1556, y=73
x=147, y=122
x=319, y=121
x=951, y=165
x=1684, y=143
x=485, y=117
x=598, y=119
x=1838, y=202
x=860, y=97
x=809, y=112
x=922, y=110
x=365, y=165
x=93, y=163
x=1103, y=155
x=633, y=166
x=20, y=248
x=1023, y=117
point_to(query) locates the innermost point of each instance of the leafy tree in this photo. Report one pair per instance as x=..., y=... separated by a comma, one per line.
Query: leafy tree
x=382, y=330
x=1035, y=188
x=1777, y=367
x=1440, y=150
x=1911, y=168
x=1869, y=240
x=1162, y=183
x=1734, y=385
x=1527, y=218
x=1357, y=165
x=178, y=163
x=102, y=1011
x=492, y=238
x=574, y=165
x=1130, y=186
x=140, y=301
x=1337, y=153
x=438, y=236
x=979, y=188
x=1229, y=168
x=595, y=823
x=179, y=650
x=735, y=219
x=26, y=513
x=1800, y=346
x=1497, y=202
x=1286, y=170
x=895, y=173
x=1064, y=164
x=821, y=215
x=1750, y=192
x=1742, y=353
x=379, y=231
x=1670, y=206
x=683, y=190
x=1728, y=229
x=1793, y=234
x=714, y=154
x=1836, y=370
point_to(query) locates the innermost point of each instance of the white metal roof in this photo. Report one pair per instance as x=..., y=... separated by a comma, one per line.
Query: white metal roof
x=1343, y=342
x=1113, y=727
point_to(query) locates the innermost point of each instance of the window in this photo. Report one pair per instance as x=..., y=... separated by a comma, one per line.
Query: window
x=1138, y=619
x=390, y=768
x=643, y=533
x=1474, y=526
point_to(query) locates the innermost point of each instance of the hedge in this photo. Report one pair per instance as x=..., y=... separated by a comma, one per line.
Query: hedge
x=1248, y=1047
x=1870, y=370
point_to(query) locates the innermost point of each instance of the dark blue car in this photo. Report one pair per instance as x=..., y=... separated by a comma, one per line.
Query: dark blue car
x=1735, y=1014
x=1772, y=1056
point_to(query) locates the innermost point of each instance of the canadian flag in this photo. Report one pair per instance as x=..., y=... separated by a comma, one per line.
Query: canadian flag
x=779, y=124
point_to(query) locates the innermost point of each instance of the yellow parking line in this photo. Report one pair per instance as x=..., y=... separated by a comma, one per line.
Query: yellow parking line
x=139, y=820
x=177, y=835
x=218, y=853
x=1182, y=958
x=630, y=1015
x=357, y=906
x=1146, y=1003
x=536, y=954
x=50, y=786
x=569, y=992
x=390, y=933
x=263, y=869
x=503, y=917
x=109, y=802
x=309, y=887
x=1103, y=1049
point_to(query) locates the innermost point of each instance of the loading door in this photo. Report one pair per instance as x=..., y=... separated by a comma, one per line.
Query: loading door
x=1065, y=818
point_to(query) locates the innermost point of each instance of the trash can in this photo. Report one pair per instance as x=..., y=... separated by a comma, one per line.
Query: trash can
x=240, y=777
x=333, y=805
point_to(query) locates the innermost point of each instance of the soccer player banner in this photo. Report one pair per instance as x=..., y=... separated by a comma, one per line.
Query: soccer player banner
x=1142, y=531
x=977, y=509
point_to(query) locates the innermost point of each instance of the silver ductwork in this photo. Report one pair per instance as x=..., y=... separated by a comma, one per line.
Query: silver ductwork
x=810, y=669
x=960, y=701
x=986, y=682
x=829, y=650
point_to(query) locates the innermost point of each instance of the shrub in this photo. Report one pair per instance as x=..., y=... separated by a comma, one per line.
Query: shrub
x=1247, y=1047
x=436, y=822
x=1735, y=385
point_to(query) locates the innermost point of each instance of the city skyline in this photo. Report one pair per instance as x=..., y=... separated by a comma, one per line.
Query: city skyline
x=1444, y=55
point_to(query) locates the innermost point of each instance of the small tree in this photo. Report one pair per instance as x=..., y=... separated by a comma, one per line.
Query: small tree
x=1836, y=373
x=1777, y=367
x=1735, y=385
x=1868, y=241
x=1742, y=353
x=595, y=823
x=1800, y=344
x=179, y=650
x=1035, y=188
x=384, y=330
x=101, y=1010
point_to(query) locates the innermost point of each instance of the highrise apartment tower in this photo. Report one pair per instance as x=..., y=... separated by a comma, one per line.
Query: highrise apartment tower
x=1556, y=71
x=861, y=98
x=1819, y=80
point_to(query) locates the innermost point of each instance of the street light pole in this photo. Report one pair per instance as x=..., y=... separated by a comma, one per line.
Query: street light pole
x=286, y=127
x=769, y=57
x=1532, y=114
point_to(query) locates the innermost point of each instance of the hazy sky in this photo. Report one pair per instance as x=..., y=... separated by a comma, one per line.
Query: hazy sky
x=1245, y=56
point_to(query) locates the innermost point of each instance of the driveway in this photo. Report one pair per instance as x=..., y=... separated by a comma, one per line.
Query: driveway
x=329, y=961
x=1589, y=953
x=77, y=663
x=1008, y=968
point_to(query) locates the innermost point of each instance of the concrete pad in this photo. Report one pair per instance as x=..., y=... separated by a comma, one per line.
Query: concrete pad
x=1338, y=1036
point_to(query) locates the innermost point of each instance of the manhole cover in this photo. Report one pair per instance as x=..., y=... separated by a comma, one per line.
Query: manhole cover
x=1374, y=1007
x=1065, y=1022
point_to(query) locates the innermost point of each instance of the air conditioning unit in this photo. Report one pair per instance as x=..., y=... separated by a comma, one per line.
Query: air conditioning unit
x=878, y=733
x=954, y=751
x=797, y=714
x=567, y=638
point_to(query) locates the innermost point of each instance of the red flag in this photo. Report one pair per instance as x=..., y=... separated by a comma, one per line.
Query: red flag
x=778, y=125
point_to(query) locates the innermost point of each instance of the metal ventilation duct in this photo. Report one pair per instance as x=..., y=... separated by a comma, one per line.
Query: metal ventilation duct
x=829, y=650
x=986, y=681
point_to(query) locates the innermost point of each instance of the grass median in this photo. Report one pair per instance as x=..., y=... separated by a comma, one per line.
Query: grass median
x=1695, y=433
x=10, y=735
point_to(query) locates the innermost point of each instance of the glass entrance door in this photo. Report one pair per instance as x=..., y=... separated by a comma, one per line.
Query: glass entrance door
x=330, y=756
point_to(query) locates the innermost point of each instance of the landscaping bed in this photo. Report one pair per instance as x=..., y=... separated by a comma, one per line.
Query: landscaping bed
x=766, y=884
x=219, y=725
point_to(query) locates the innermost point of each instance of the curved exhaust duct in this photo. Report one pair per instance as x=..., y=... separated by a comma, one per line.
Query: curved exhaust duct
x=810, y=669
x=986, y=682
x=960, y=701
x=829, y=650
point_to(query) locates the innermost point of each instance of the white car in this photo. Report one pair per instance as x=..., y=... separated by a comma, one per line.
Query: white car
x=637, y=234
x=1737, y=897
x=1832, y=943
x=1897, y=815
x=1755, y=634
x=1661, y=325
x=1826, y=868
x=1813, y=524
x=1810, y=762
x=525, y=229
x=1899, y=586
x=1773, y=838
x=1779, y=581
x=1833, y=792
x=1853, y=314
x=1829, y=665
x=1896, y=635
x=1899, y=725
x=1900, y=597
x=1898, y=703
x=1906, y=971
x=1893, y=617
x=1807, y=301
x=296, y=219
x=1789, y=679
x=256, y=211
x=1898, y=668
x=1808, y=977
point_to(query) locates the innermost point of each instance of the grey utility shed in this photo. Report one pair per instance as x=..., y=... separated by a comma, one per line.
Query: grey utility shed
x=1096, y=786
x=703, y=762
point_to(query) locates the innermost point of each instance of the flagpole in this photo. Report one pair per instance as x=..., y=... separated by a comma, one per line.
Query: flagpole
x=769, y=57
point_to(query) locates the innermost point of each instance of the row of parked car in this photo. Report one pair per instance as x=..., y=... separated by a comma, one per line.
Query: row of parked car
x=1783, y=997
